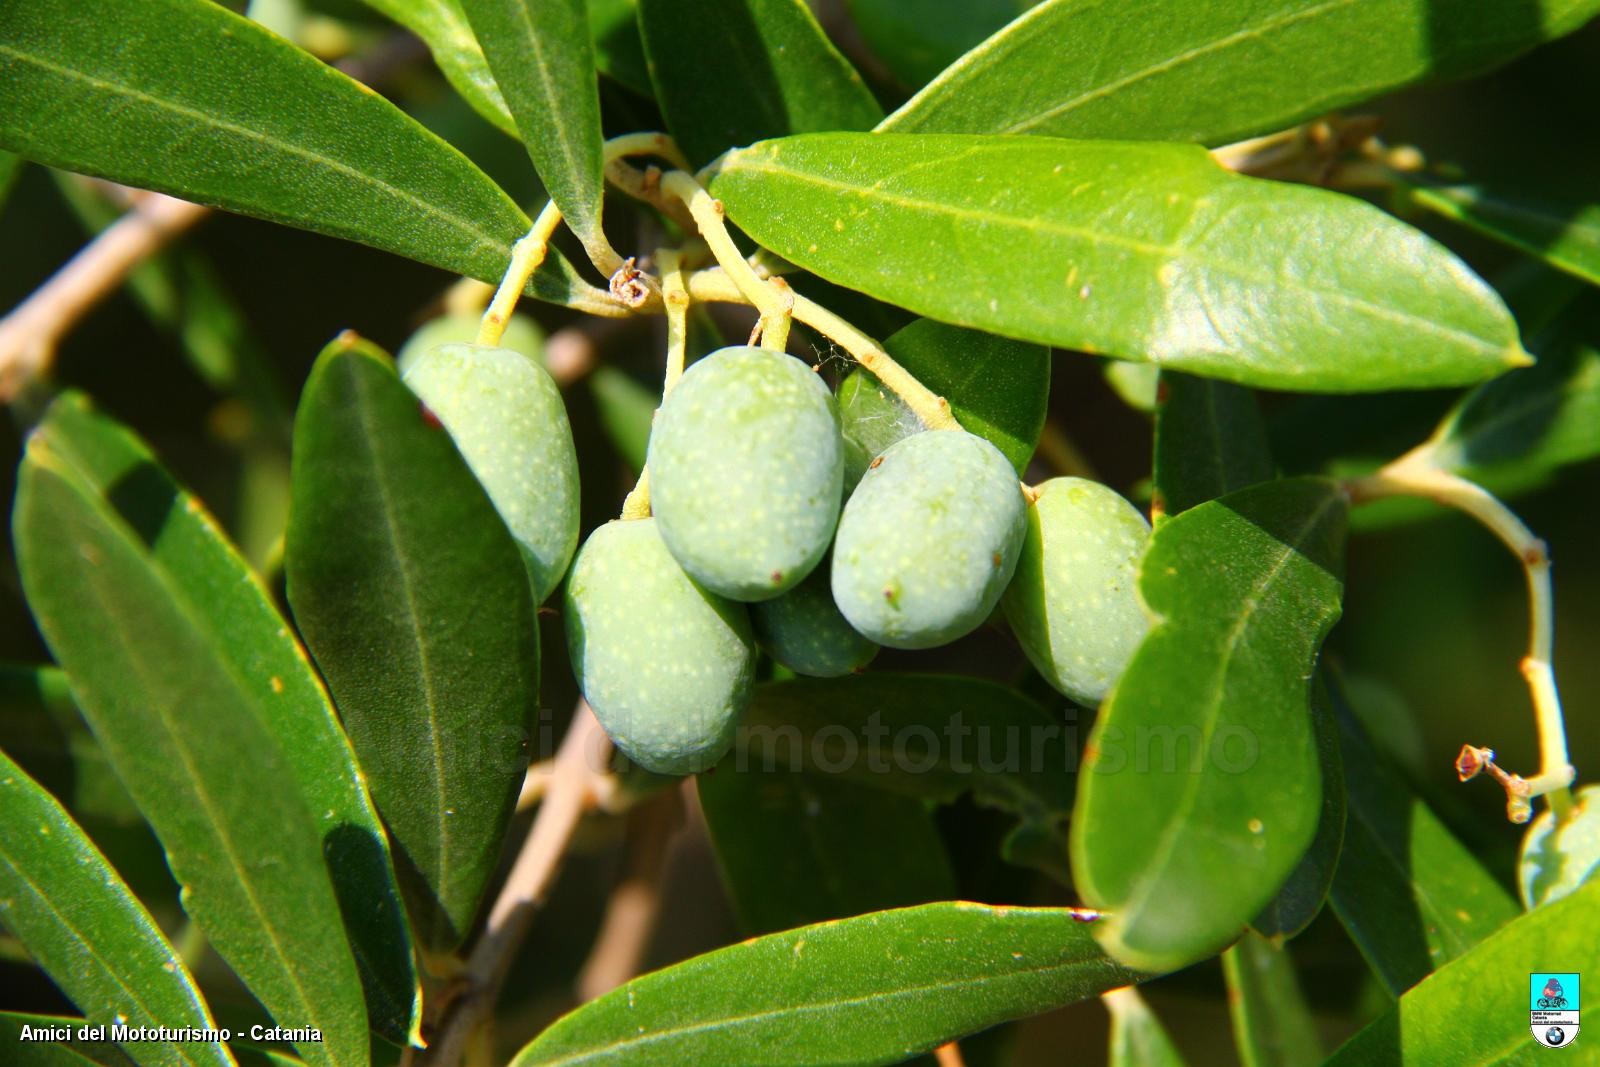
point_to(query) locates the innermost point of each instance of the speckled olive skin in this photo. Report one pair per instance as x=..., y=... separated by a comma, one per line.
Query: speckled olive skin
x=505, y=415
x=928, y=540
x=746, y=472
x=804, y=631
x=1074, y=602
x=522, y=334
x=666, y=665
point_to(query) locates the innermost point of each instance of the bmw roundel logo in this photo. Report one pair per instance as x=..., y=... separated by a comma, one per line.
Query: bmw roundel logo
x=1555, y=1036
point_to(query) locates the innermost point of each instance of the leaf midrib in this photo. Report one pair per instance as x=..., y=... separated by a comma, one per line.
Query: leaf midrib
x=1141, y=248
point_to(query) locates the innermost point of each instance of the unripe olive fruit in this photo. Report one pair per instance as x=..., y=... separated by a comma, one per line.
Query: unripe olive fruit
x=804, y=630
x=746, y=469
x=506, y=417
x=871, y=419
x=666, y=665
x=928, y=540
x=1074, y=602
x=522, y=334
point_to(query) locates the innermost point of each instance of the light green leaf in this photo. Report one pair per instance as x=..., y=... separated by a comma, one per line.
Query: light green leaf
x=1137, y=1036
x=997, y=388
x=1185, y=841
x=804, y=848
x=930, y=736
x=174, y=670
x=1559, y=857
x=918, y=40
x=875, y=989
x=1470, y=1013
x=1564, y=235
x=1140, y=251
x=1272, y=1026
x=187, y=98
x=1210, y=441
x=1217, y=70
x=84, y=927
x=1410, y=894
x=733, y=72
x=543, y=61
x=443, y=27
x=412, y=596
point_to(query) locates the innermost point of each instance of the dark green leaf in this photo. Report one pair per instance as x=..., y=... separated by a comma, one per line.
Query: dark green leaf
x=1272, y=1026
x=1559, y=857
x=84, y=927
x=1215, y=70
x=1210, y=440
x=191, y=555
x=1410, y=894
x=443, y=27
x=997, y=388
x=918, y=40
x=1470, y=1012
x=185, y=97
x=1564, y=235
x=1302, y=896
x=618, y=51
x=1184, y=851
x=175, y=675
x=413, y=598
x=870, y=990
x=71, y=1053
x=10, y=168
x=626, y=412
x=1137, y=1036
x=1140, y=251
x=41, y=728
x=921, y=735
x=733, y=72
x=543, y=61
x=803, y=848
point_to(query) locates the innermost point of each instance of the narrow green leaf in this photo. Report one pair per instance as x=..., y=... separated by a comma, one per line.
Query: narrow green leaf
x=443, y=27
x=875, y=989
x=69, y=1053
x=412, y=596
x=618, y=49
x=1564, y=235
x=1302, y=896
x=1411, y=896
x=626, y=411
x=189, y=554
x=543, y=61
x=803, y=848
x=733, y=72
x=998, y=389
x=41, y=728
x=189, y=733
x=1185, y=851
x=1217, y=70
x=1210, y=441
x=185, y=97
x=1140, y=251
x=1472, y=1012
x=916, y=41
x=930, y=736
x=85, y=928
x=1559, y=857
x=1272, y=1026
x=1137, y=1037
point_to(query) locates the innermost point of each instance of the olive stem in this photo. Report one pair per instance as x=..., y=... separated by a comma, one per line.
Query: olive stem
x=715, y=286
x=1415, y=474
x=675, y=295
x=772, y=298
x=526, y=256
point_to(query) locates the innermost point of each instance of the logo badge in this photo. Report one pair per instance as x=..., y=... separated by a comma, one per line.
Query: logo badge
x=1553, y=999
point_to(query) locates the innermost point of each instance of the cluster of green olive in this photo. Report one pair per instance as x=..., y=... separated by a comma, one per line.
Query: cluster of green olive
x=776, y=524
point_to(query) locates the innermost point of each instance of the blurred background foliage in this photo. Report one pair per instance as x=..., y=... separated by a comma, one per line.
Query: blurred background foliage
x=205, y=353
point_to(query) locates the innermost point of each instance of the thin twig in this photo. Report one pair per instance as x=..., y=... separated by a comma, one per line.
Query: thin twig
x=571, y=791
x=949, y=1055
x=635, y=901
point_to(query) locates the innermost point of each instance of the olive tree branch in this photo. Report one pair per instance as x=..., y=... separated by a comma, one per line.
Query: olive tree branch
x=675, y=295
x=1416, y=474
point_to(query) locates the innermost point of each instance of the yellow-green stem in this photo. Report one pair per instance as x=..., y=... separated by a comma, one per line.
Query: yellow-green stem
x=526, y=257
